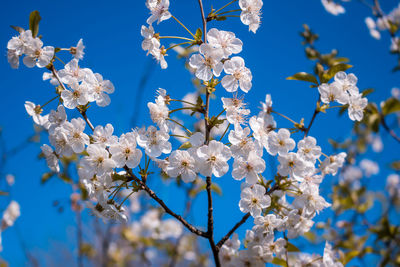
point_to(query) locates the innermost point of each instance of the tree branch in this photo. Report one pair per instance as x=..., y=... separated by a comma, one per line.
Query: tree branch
x=237, y=225
x=210, y=224
x=153, y=195
x=390, y=131
x=316, y=111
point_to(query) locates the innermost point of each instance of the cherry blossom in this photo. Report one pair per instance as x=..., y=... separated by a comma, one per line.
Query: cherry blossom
x=213, y=159
x=253, y=200
x=125, y=152
x=238, y=75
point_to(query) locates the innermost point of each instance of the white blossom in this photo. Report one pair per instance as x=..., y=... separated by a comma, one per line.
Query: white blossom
x=159, y=10
x=79, y=95
x=125, y=152
x=251, y=13
x=213, y=159
x=253, y=199
x=224, y=41
x=51, y=158
x=35, y=112
x=238, y=75
x=77, y=51
x=280, y=142
x=98, y=161
x=104, y=135
x=207, y=63
x=99, y=90
x=153, y=141
x=36, y=55
x=332, y=7
x=77, y=139
x=249, y=167
x=357, y=104
x=11, y=214
x=183, y=164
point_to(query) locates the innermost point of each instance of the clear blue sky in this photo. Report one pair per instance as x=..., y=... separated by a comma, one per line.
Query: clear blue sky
x=111, y=34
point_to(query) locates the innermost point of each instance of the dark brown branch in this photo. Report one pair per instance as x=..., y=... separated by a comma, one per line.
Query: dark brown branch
x=153, y=195
x=237, y=225
x=390, y=131
x=316, y=111
x=210, y=224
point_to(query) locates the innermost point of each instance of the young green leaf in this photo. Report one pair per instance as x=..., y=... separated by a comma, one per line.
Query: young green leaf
x=303, y=76
x=391, y=105
x=34, y=19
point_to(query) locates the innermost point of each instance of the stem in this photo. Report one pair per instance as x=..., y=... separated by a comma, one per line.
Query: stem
x=42, y=106
x=177, y=109
x=83, y=113
x=175, y=37
x=183, y=101
x=221, y=113
x=334, y=107
x=227, y=127
x=231, y=2
x=284, y=116
x=237, y=225
x=183, y=26
x=177, y=45
x=316, y=111
x=59, y=59
x=180, y=136
x=230, y=11
x=232, y=16
x=187, y=130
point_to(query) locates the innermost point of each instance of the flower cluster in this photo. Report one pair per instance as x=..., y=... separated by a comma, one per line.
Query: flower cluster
x=344, y=90
x=282, y=206
x=383, y=23
x=32, y=49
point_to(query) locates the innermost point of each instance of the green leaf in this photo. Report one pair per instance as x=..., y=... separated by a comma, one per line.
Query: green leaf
x=34, y=19
x=367, y=91
x=292, y=248
x=118, y=177
x=18, y=29
x=46, y=176
x=214, y=187
x=303, y=76
x=278, y=261
x=391, y=105
x=395, y=165
x=311, y=236
x=186, y=145
x=335, y=69
x=349, y=256
x=198, y=34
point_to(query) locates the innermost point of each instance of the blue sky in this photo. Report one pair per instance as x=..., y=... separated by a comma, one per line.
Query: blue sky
x=111, y=34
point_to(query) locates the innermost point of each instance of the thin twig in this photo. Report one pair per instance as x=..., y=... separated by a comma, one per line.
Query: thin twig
x=316, y=111
x=390, y=131
x=234, y=228
x=210, y=224
x=154, y=196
